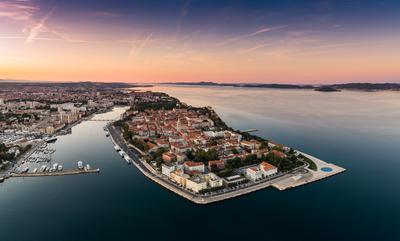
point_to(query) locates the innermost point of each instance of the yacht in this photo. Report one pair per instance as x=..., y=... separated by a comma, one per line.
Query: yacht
x=50, y=139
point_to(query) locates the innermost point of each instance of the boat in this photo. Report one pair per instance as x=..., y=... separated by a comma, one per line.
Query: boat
x=50, y=139
x=60, y=168
x=34, y=170
x=87, y=167
x=128, y=160
x=122, y=154
x=107, y=134
x=55, y=166
x=42, y=168
x=117, y=148
x=80, y=165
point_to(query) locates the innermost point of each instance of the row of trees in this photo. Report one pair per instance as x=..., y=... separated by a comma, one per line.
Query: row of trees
x=202, y=155
x=166, y=105
x=4, y=155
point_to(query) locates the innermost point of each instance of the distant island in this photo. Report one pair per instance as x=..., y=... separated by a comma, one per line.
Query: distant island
x=322, y=88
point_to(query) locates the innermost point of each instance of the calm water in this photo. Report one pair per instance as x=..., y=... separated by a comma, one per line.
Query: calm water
x=356, y=130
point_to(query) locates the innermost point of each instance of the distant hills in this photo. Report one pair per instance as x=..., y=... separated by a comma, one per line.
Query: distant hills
x=86, y=84
x=322, y=88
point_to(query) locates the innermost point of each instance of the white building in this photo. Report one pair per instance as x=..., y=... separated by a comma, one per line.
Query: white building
x=214, y=180
x=167, y=169
x=196, y=184
x=268, y=169
x=254, y=173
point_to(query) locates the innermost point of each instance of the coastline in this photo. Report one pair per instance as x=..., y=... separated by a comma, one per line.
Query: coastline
x=283, y=182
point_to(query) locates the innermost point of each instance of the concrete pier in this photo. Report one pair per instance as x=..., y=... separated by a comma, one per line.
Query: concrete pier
x=311, y=176
x=58, y=173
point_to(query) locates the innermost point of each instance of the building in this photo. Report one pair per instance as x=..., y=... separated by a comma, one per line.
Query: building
x=214, y=181
x=268, y=169
x=279, y=154
x=196, y=183
x=217, y=164
x=194, y=166
x=254, y=173
x=168, y=156
x=179, y=177
x=166, y=169
x=248, y=145
x=234, y=180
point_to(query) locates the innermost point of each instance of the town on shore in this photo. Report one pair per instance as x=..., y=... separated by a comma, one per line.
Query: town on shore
x=188, y=150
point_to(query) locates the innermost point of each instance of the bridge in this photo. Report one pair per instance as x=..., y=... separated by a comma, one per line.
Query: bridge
x=108, y=120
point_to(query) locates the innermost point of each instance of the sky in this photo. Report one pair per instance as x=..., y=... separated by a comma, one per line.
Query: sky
x=241, y=41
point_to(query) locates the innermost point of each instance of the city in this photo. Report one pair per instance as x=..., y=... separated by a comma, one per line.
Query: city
x=199, y=120
x=189, y=150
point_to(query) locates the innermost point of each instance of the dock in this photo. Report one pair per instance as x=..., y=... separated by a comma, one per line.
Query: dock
x=249, y=130
x=58, y=173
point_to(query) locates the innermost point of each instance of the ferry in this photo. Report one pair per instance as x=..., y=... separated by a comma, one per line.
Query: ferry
x=117, y=148
x=80, y=165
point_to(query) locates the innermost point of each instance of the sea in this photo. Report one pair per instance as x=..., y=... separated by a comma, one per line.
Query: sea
x=359, y=131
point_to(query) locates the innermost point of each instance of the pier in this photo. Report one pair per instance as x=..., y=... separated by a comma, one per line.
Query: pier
x=58, y=173
x=249, y=130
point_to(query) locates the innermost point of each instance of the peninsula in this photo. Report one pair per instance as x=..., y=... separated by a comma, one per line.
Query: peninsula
x=192, y=152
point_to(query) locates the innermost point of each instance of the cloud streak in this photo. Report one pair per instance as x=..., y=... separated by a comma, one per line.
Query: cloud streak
x=39, y=27
x=253, y=34
x=135, y=51
x=20, y=10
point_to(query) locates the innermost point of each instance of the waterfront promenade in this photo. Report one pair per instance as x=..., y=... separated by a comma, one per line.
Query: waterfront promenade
x=149, y=172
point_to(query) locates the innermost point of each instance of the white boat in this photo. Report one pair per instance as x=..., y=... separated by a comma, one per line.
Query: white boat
x=35, y=170
x=50, y=139
x=122, y=153
x=87, y=167
x=60, y=168
x=128, y=160
x=55, y=165
x=80, y=165
x=117, y=148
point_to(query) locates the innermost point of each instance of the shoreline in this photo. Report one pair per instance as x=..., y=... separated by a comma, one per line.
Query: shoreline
x=117, y=139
